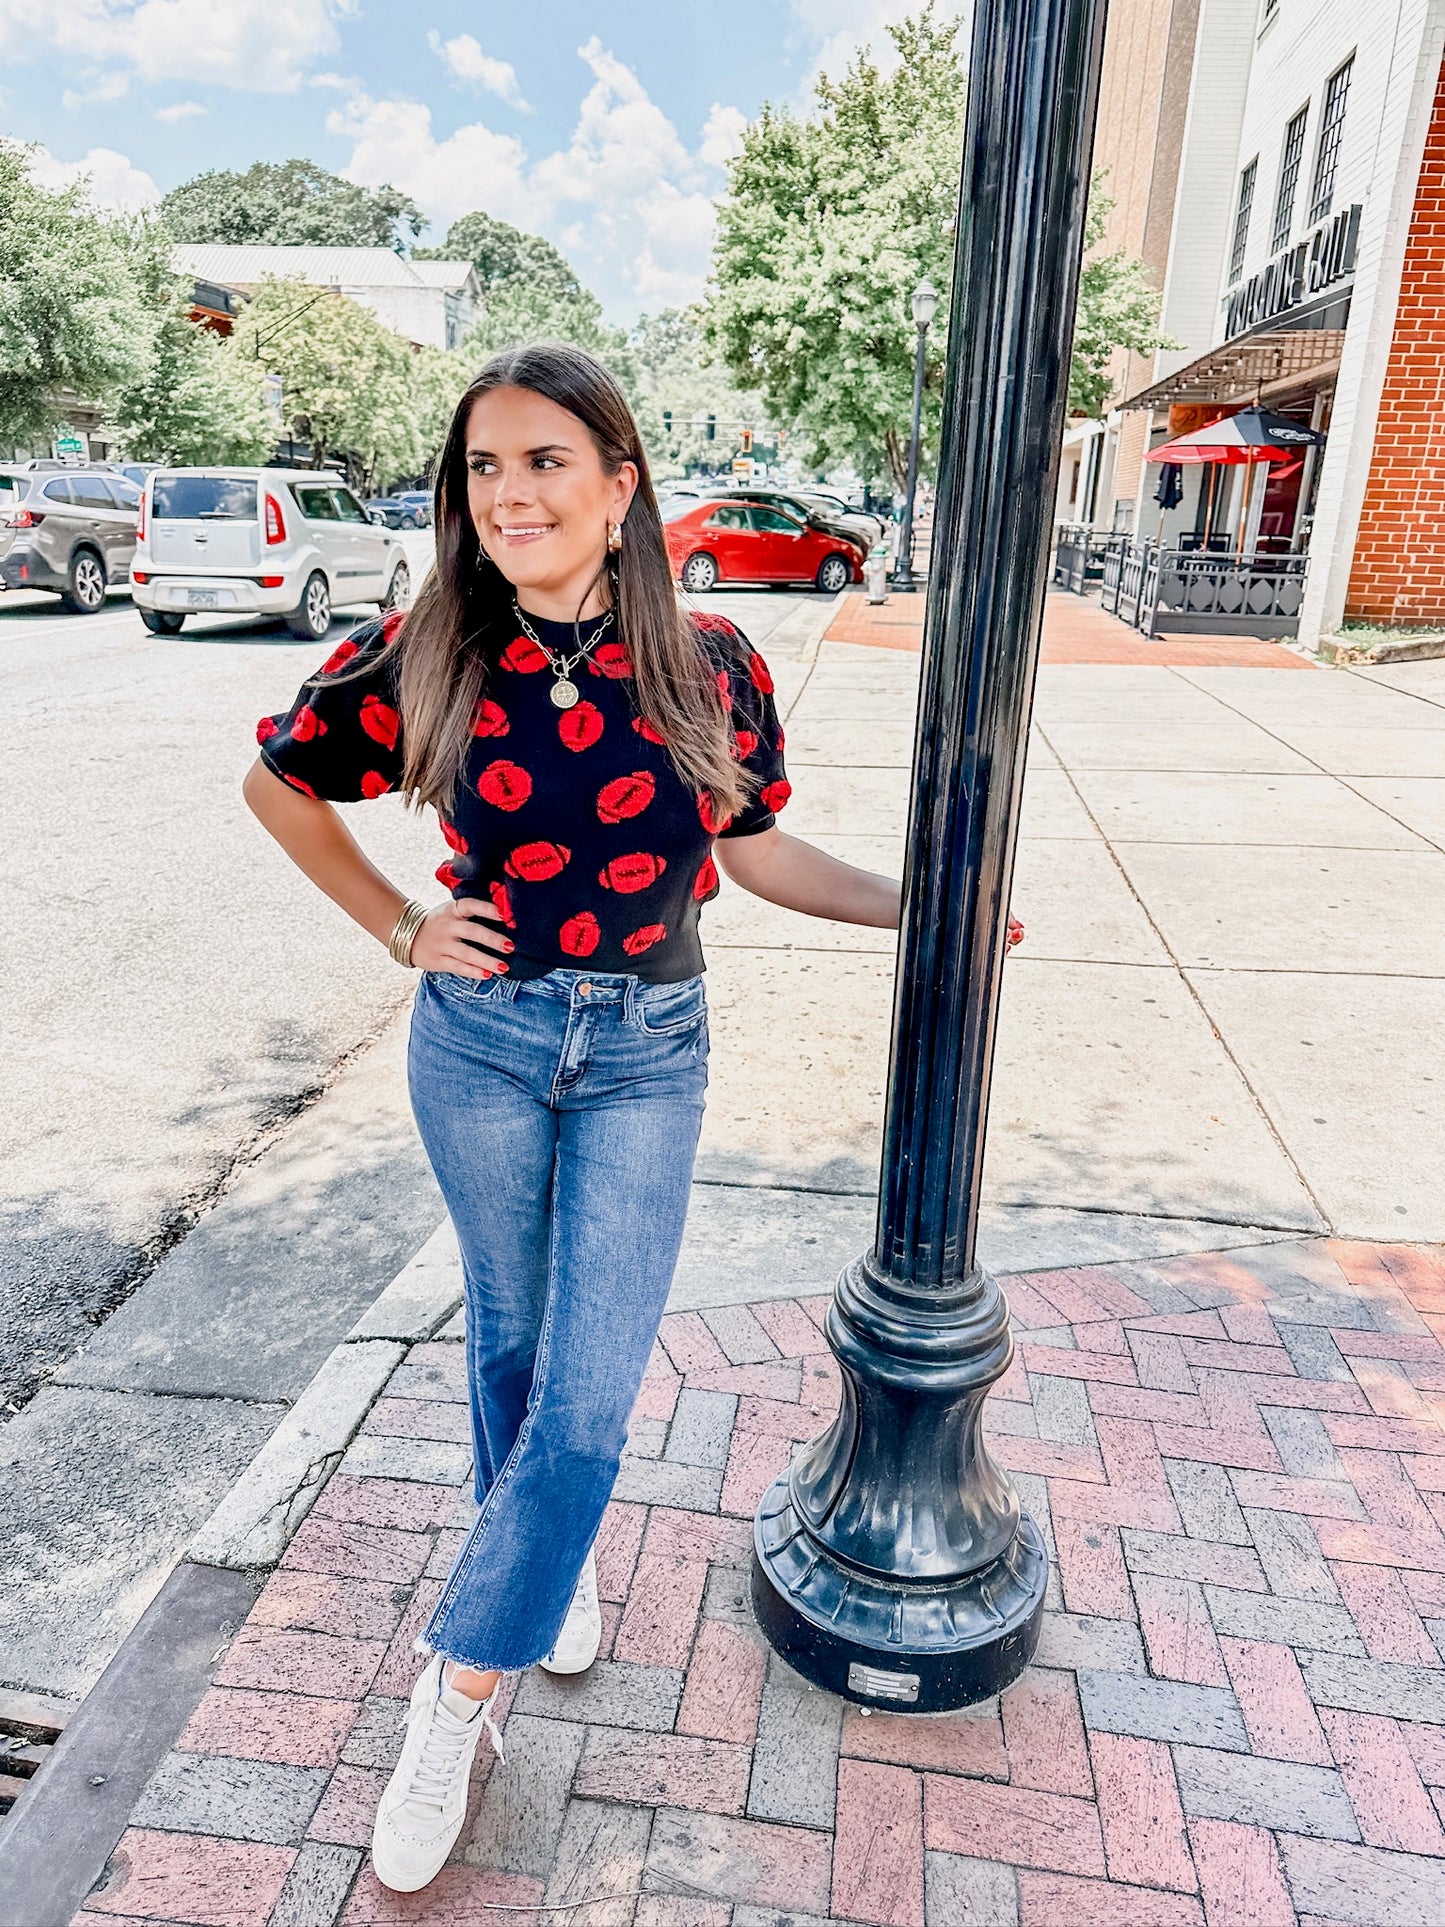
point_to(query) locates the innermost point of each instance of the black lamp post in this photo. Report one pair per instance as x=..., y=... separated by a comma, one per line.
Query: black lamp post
x=924, y=304
x=893, y=1564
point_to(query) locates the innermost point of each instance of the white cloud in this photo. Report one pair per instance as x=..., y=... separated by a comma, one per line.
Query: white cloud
x=113, y=182
x=181, y=110
x=464, y=60
x=246, y=44
x=839, y=28
x=625, y=198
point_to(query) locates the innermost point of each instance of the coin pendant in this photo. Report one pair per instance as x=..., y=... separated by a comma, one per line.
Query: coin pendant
x=564, y=693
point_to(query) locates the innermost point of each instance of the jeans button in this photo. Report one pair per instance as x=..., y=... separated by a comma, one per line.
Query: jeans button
x=584, y=988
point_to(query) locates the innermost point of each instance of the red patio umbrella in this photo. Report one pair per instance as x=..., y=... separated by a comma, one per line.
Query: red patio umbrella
x=1253, y=435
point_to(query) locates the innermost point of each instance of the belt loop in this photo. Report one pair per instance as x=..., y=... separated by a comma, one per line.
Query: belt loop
x=629, y=1001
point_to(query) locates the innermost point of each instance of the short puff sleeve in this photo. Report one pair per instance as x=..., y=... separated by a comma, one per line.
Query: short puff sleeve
x=759, y=734
x=341, y=738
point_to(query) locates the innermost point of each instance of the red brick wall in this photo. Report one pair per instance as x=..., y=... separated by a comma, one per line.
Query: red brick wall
x=1398, y=571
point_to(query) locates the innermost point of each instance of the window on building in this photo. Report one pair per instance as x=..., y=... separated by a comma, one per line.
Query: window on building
x=1241, y=220
x=1289, y=165
x=1332, y=132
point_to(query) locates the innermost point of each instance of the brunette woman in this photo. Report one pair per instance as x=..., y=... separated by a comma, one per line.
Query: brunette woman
x=586, y=742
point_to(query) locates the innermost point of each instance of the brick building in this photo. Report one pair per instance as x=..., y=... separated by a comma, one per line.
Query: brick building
x=1279, y=167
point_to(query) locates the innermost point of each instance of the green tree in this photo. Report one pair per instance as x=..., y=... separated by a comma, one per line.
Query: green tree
x=828, y=225
x=500, y=252
x=682, y=384
x=1118, y=308
x=72, y=316
x=197, y=399
x=290, y=204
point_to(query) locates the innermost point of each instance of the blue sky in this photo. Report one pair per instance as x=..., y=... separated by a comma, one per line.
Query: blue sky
x=602, y=126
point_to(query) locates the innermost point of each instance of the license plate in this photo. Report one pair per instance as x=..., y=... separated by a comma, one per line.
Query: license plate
x=203, y=598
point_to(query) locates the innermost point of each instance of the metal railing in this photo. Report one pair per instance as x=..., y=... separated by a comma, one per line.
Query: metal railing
x=1193, y=592
x=1080, y=554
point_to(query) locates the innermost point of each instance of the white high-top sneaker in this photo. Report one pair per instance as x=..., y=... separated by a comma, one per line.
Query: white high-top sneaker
x=425, y=1802
x=581, y=1632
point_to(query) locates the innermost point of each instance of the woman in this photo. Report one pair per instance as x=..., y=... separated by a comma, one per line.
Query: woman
x=585, y=741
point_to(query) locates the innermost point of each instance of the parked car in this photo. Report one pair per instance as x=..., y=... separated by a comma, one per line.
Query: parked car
x=829, y=502
x=861, y=530
x=411, y=510
x=69, y=530
x=729, y=541
x=291, y=543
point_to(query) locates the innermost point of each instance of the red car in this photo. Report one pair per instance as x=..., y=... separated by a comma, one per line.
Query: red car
x=712, y=542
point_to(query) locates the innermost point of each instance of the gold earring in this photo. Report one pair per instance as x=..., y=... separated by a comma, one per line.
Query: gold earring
x=614, y=536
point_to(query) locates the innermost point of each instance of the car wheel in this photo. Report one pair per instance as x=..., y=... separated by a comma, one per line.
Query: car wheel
x=833, y=574
x=312, y=616
x=699, y=574
x=162, y=622
x=408, y=521
x=398, y=594
x=84, y=593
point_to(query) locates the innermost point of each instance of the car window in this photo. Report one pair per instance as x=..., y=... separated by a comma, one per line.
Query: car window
x=348, y=509
x=202, y=498
x=728, y=517
x=126, y=494
x=13, y=488
x=58, y=490
x=679, y=506
x=774, y=522
x=90, y=492
x=317, y=504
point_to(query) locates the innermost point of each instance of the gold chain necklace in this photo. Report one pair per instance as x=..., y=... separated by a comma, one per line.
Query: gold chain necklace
x=564, y=692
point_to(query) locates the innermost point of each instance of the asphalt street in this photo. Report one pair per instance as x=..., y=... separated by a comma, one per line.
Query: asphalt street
x=174, y=992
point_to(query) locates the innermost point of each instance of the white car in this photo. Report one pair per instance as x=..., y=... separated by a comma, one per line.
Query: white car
x=288, y=542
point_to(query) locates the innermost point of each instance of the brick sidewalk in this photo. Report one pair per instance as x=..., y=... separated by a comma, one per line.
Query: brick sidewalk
x=1237, y=1718
x=1076, y=630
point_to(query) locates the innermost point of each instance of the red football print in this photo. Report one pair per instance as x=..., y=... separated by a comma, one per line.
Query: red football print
x=392, y=625
x=581, y=725
x=625, y=796
x=747, y=743
x=489, y=719
x=305, y=724
x=373, y=783
x=453, y=836
x=448, y=877
x=705, y=882
x=502, y=903
x=644, y=939
x=535, y=862
x=712, y=625
x=780, y=742
x=707, y=810
x=610, y=659
x=724, y=684
x=380, y=721
x=297, y=784
x=646, y=730
x=340, y=656
x=758, y=670
x=525, y=655
x=266, y=728
x=632, y=872
x=580, y=935
x=506, y=784
x=774, y=795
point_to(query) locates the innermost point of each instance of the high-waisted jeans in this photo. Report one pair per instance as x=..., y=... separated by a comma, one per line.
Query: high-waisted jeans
x=561, y=1117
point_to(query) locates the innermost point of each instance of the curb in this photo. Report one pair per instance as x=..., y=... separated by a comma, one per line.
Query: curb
x=254, y=1522
x=1340, y=651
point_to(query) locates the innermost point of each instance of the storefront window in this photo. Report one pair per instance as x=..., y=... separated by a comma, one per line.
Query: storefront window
x=1332, y=132
x=1241, y=220
x=1289, y=165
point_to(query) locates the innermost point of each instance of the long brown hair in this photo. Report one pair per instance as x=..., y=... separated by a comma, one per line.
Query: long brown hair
x=462, y=617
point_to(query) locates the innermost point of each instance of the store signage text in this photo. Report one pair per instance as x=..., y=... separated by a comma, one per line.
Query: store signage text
x=1317, y=262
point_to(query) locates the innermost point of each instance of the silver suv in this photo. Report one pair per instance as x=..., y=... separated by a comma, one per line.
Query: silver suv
x=71, y=531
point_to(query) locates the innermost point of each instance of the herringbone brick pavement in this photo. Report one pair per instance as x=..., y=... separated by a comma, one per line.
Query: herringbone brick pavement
x=1236, y=1719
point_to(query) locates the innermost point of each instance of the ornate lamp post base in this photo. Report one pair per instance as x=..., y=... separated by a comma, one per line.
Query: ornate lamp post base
x=893, y=1564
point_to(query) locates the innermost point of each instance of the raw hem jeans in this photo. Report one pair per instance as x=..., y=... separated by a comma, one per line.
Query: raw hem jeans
x=561, y=1117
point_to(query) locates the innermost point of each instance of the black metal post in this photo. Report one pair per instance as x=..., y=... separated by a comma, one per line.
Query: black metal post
x=901, y=581
x=894, y=1564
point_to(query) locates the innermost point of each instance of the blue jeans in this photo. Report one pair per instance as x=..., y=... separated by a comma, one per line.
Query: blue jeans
x=561, y=1117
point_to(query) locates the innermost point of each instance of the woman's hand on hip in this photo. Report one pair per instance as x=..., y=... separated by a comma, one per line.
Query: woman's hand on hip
x=456, y=938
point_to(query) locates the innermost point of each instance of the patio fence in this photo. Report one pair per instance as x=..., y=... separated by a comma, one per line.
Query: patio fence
x=1186, y=591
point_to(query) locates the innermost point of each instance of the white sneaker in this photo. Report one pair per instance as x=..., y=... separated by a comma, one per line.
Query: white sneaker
x=581, y=1632
x=425, y=1802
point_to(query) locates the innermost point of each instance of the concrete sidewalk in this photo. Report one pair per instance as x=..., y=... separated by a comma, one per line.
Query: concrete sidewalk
x=1237, y=1714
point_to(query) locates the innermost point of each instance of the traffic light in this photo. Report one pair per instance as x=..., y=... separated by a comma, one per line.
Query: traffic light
x=712, y=428
x=667, y=422
x=747, y=439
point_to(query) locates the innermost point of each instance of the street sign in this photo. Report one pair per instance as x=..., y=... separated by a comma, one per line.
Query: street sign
x=69, y=447
x=742, y=468
x=272, y=386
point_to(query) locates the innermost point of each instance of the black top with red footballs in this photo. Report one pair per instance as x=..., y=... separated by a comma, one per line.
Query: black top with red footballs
x=574, y=822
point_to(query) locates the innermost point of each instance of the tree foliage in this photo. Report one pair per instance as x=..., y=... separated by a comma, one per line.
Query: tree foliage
x=290, y=204
x=72, y=318
x=828, y=225
x=197, y=400
x=679, y=377
x=501, y=253
x=1118, y=308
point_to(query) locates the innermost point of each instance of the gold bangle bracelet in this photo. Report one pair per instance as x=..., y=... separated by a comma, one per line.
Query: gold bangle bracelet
x=403, y=931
